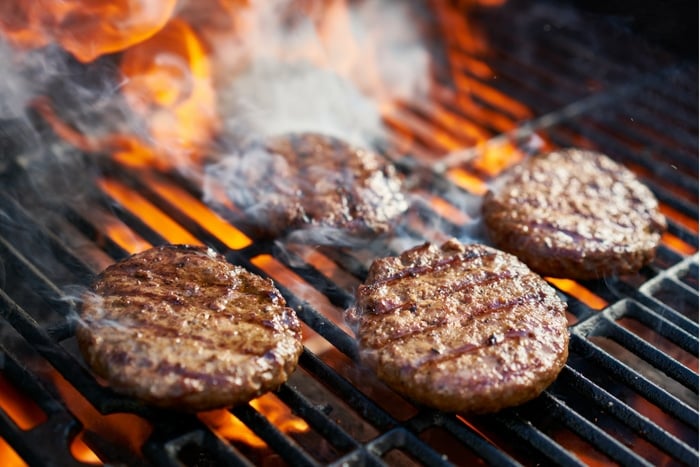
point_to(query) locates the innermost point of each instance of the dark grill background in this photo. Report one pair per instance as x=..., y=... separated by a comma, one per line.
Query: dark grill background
x=629, y=393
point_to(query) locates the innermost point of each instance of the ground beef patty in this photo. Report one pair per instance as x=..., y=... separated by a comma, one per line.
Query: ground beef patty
x=460, y=327
x=312, y=182
x=574, y=213
x=181, y=327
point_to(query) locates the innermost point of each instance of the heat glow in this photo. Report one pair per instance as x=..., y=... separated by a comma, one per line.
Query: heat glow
x=85, y=28
x=19, y=407
x=168, y=84
x=226, y=425
x=9, y=457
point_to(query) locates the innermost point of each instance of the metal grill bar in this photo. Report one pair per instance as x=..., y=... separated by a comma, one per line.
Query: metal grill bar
x=664, y=363
x=54, y=434
x=567, y=104
x=642, y=425
x=637, y=381
x=588, y=430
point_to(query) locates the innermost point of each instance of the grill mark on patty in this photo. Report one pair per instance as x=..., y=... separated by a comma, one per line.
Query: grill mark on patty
x=481, y=312
x=222, y=334
x=454, y=353
x=550, y=226
x=510, y=332
x=417, y=271
x=574, y=213
x=146, y=329
x=449, y=289
x=135, y=315
x=347, y=201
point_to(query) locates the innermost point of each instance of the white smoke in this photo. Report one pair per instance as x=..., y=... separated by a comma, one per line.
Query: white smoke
x=325, y=69
x=273, y=98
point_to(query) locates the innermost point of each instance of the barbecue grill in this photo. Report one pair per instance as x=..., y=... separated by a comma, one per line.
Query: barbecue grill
x=550, y=75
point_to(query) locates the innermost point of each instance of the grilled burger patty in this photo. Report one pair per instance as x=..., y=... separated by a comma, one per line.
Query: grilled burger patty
x=304, y=180
x=460, y=327
x=574, y=213
x=181, y=327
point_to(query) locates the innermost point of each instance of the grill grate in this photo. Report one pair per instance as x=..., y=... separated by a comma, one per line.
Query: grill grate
x=628, y=393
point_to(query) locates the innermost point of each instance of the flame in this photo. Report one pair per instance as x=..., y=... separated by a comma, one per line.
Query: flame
x=123, y=236
x=677, y=244
x=85, y=28
x=345, y=51
x=21, y=409
x=9, y=457
x=467, y=180
x=228, y=234
x=229, y=427
x=147, y=212
x=446, y=209
x=169, y=85
x=578, y=291
x=120, y=428
x=82, y=452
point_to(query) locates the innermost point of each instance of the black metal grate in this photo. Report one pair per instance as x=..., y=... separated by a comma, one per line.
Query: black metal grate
x=629, y=391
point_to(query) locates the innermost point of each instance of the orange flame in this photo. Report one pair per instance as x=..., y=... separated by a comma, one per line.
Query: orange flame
x=579, y=291
x=9, y=457
x=85, y=28
x=20, y=408
x=169, y=85
x=229, y=427
x=202, y=214
x=125, y=237
x=120, y=428
x=150, y=214
x=82, y=452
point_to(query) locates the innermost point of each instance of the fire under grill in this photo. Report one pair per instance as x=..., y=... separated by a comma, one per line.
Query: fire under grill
x=628, y=394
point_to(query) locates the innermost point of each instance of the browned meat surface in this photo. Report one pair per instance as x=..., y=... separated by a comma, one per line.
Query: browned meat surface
x=460, y=327
x=575, y=214
x=312, y=182
x=181, y=327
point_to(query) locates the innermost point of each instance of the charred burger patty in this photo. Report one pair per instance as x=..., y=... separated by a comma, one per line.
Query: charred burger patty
x=574, y=213
x=312, y=181
x=460, y=327
x=181, y=327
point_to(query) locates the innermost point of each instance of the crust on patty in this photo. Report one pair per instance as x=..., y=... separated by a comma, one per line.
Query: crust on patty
x=460, y=327
x=574, y=213
x=180, y=327
x=314, y=184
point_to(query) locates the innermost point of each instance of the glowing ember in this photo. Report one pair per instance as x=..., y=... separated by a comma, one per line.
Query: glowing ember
x=468, y=181
x=228, y=234
x=677, y=244
x=226, y=425
x=578, y=291
x=81, y=452
x=151, y=215
x=9, y=456
x=85, y=28
x=19, y=407
x=494, y=157
x=124, y=237
x=126, y=430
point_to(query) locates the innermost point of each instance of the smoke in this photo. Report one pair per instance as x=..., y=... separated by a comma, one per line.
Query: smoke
x=295, y=67
x=278, y=66
x=273, y=98
x=327, y=67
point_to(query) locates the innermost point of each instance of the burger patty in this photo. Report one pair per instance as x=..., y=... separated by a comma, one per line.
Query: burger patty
x=574, y=213
x=307, y=180
x=460, y=327
x=180, y=327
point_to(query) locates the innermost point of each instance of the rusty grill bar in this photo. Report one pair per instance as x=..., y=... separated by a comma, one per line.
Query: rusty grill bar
x=629, y=391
